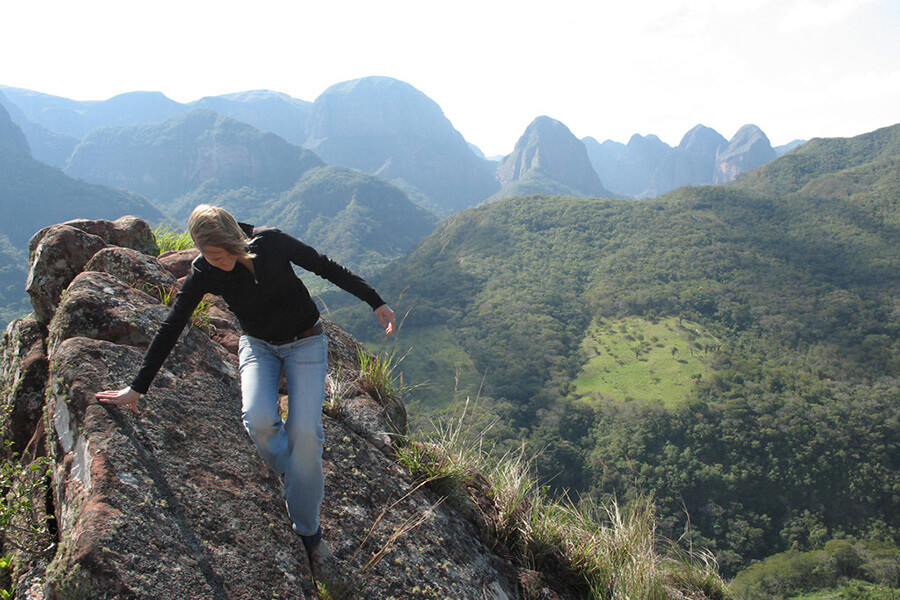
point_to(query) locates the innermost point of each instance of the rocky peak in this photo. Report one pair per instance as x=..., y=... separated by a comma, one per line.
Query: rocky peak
x=389, y=128
x=376, y=106
x=748, y=149
x=692, y=162
x=702, y=141
x=548, y=145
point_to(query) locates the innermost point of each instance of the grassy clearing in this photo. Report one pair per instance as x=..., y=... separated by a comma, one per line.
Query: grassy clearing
x=606, y=552
x=637, y=359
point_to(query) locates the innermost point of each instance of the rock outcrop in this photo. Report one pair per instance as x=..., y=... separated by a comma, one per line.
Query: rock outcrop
x=549, y=159
x=748, y=149
x=174, y=502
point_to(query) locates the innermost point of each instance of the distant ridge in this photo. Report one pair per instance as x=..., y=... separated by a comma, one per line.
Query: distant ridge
x=648, y=167
x=203, y=156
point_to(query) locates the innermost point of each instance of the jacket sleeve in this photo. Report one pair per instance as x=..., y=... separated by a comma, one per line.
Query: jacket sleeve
x=307, y=257
x=167, y=335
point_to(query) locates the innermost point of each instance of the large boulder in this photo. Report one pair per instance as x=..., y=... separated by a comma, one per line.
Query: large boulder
x=127, y=232
x=56, y=254
x=57, y=258
x=135, y=269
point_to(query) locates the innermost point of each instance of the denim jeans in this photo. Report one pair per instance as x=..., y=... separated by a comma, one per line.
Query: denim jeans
x=292, y=448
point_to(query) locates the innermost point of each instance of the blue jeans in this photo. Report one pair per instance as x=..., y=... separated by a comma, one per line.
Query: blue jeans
x=292, y=448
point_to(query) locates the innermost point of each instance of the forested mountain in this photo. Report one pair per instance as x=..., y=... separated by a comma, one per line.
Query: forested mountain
x=362, y=220
x=549, y=159
x=46, y=146
x=166, y=161
x=202, y=156
x=388, y=128
x=730, y=349
x=270, y=111
x=34, y=195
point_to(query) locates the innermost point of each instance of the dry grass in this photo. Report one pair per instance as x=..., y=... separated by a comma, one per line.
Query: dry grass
x=610, y=552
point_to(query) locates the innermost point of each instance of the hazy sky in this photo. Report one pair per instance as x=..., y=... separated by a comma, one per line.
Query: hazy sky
x=608, y=69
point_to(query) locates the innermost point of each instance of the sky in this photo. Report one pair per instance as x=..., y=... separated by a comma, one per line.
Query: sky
x=606, y=69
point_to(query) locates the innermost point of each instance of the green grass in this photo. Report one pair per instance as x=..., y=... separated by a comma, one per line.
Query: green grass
x=169, y=238
x=637, y=359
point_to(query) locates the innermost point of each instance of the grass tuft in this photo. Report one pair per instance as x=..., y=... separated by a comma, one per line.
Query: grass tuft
x=168, y=239
x=608, y=552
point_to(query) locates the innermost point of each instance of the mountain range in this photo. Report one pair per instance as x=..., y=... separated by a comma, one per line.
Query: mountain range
x=647, y=166
x=388, y=128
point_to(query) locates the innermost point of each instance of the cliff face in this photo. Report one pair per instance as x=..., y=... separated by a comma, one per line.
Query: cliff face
x=748, y=149
x=174, y=502
x=549, y=148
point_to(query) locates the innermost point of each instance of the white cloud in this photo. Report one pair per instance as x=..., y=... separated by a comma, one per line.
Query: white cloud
x=817, y=14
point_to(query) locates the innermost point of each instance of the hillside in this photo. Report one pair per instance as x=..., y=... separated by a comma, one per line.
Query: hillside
x=360, y=219
x=165, y=161
x=783, y=402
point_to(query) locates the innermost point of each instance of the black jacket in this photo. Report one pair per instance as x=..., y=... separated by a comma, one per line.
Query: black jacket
x=273, y=306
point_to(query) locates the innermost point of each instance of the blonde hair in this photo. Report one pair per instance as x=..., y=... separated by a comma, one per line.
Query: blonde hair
x=214, y=226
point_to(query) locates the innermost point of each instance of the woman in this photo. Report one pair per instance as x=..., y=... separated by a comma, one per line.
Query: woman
x=250, y=268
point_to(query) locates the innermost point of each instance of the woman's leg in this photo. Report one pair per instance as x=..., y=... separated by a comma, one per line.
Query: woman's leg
x=260, y=375
x=306, y=364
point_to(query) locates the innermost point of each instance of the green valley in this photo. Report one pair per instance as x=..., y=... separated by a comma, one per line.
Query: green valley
x=785, y=402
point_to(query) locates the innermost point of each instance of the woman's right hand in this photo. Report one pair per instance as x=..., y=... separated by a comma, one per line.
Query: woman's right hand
x=126, y=396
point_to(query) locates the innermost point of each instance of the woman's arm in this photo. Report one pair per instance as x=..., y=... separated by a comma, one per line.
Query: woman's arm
x=309, y=258
x=166, y=337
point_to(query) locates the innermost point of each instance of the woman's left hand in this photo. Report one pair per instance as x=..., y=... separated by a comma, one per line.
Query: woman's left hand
x=386, y=316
